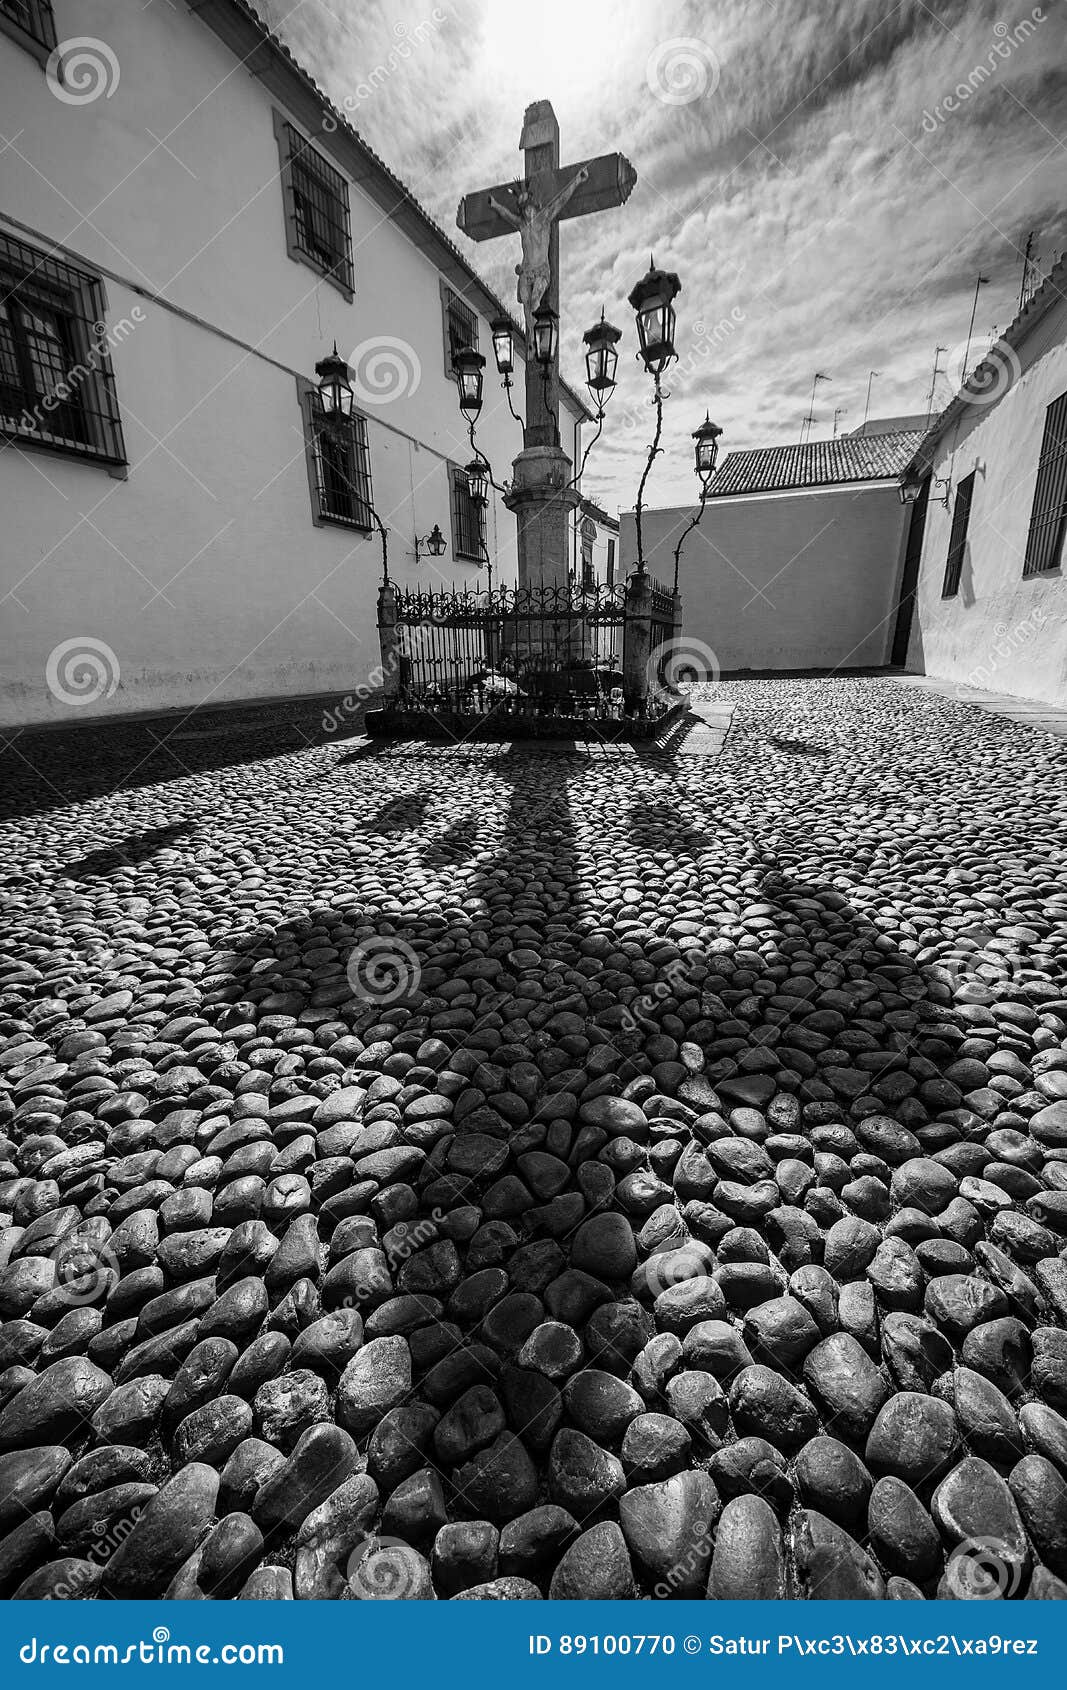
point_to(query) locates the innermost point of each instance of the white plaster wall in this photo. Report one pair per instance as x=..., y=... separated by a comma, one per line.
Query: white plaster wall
x=784, y=581
x=203, y=570
x=1001, y=633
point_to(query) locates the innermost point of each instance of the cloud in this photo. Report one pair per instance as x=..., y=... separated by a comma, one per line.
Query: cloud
x=832, y=185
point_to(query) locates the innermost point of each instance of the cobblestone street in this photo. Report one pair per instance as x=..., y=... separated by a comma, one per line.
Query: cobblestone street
x=525, y=1172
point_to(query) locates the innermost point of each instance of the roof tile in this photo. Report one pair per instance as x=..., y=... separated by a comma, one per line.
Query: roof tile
x=821, y=463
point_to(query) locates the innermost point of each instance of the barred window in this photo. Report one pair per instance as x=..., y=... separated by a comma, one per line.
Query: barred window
x=339, y=460
x=460, y=326
x=468, y=518
x=30, y=23
x=57, y=388
x=957, y=543
x=1048, y=517
x=317, y=218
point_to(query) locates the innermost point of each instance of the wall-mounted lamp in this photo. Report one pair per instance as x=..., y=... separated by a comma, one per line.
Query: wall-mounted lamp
x=434, y=542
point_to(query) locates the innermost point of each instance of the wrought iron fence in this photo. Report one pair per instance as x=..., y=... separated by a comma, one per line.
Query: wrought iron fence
x=534, y=653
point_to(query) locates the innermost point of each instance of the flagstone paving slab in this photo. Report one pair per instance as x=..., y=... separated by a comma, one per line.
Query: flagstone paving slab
x=420, y=1166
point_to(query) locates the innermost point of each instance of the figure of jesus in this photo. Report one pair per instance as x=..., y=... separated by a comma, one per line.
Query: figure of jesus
x=534, y=223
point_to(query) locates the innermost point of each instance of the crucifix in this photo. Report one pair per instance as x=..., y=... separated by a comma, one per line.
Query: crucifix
x=534, y=208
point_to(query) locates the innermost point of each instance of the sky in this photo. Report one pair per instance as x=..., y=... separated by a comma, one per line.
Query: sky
x=827, y=177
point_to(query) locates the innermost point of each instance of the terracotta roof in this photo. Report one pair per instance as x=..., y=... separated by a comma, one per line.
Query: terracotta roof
x=821, y=463
x=1050, y=293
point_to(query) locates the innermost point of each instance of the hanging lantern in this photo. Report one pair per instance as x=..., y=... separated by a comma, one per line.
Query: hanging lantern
x=653, y=302
x=601, y=359
x=910, y=486
x=545, y=335
x=335, y=387
x=706, y=448
x=468, y=366
x=503, y=345
x=477, y=474
x=435, y=541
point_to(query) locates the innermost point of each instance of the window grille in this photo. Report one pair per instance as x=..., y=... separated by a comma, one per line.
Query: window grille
x=961, y=515
x=341, y=461
x=57, y=387
x=1044, y=542
x=34, y=18
x=318, y=219
x=468, y=519
x=461, y=328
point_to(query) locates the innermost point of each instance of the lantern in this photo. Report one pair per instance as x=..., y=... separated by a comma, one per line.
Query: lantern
x=545, y=335
x=706, y=449
x=653, y=302
x=477, y=474
x=435, y=541
x=335, y=387
x=467, y=366
x=601, y=359
x=910, y=486
x=503, y=346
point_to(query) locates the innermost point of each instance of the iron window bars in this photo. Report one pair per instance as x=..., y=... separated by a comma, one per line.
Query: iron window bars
x=317, y=216
x=57, y=387
x=341, y=463
x=34, y=24
x=1048, y=517
x=461, y=327
x=468, y=519
x=961, y=516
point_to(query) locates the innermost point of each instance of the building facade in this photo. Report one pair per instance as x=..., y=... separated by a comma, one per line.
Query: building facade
x=991, y=599
x=187, y=227
x=798, y=561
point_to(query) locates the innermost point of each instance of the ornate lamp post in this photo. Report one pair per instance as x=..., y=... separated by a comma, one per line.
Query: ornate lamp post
x=479, y=480
x=504, y=352
x=469, y=367
x=545, y=343
x=652, y=301
x=336, y=399
x=706, y=456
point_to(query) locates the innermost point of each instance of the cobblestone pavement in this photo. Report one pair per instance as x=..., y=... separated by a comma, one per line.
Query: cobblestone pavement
x=511, y=1173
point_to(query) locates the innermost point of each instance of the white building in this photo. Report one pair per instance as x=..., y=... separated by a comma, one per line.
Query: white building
x=991, y=603
x=798, y=562
x=186, y=227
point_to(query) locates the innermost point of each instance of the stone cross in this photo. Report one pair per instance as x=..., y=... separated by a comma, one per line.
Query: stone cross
x=533, y=208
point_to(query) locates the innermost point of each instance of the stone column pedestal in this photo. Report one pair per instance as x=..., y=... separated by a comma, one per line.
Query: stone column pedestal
x=389, y=644
x=637, y=642
x=543, y=502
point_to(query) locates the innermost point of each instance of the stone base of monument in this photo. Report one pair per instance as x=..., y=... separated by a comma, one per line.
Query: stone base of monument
x=415, y=721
